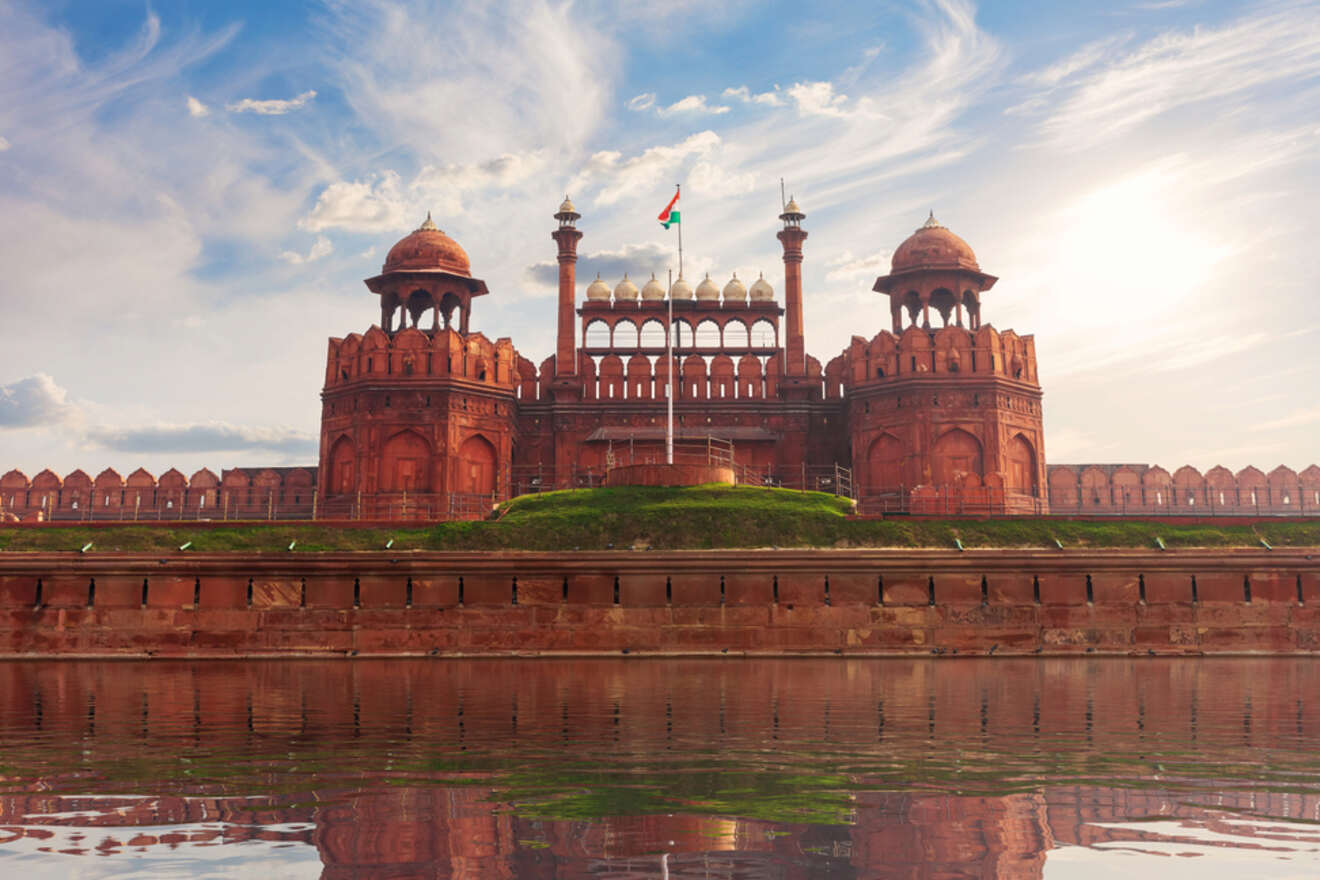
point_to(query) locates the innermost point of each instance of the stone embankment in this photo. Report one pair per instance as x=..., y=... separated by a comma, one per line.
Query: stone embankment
x=853, y=602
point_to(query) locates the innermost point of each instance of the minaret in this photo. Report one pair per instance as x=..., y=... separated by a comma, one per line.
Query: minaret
x=792, y=236
x=566, y=236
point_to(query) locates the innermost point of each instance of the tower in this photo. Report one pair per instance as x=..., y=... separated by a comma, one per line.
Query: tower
x=566, y=237
x=792, y=236
x=944, y=411
x=414, y=410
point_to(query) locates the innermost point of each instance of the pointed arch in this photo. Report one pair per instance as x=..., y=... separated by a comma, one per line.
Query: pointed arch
x=1022, y=466
x=884, y=463
x=405, y=463
x=476, y=466
x=956, y=453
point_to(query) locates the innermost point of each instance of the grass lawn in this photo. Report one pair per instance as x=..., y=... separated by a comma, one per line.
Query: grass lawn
x=699, y=517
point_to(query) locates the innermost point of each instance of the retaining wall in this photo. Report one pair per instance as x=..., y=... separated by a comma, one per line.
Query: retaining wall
x=735, y=602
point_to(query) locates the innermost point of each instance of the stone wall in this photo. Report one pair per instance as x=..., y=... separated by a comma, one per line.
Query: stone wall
x=767, y=602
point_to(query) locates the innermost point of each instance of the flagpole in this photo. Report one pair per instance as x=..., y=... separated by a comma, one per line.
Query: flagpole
x=680, y=247
x=669, y=367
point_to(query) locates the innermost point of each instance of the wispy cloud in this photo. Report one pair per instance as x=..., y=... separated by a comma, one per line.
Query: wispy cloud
x=644, y=101
x=637, y=260
x=4, y=144
x=1297, y=418
x=202, y=437
x=695, y=105
x=273, y=107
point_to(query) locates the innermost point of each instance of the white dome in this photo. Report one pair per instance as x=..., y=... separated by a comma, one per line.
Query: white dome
x=625, y=290
x=707, y=291
x=653, y=290
x=680, y=290
x=761, y=290
x=598, y=290
x=735, y=290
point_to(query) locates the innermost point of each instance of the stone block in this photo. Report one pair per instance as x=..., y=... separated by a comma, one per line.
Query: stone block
x=980, y=640
x=176, y=591
x=1164, y=587
x=988, y=615
x=1310, y=586
x=638, y=590
x=1245, y=638
x=696, y=588
x=905, y=615
x=854, y=588
x=487, y=589
x=120, y=591
x=748, y=589
x=540, y=590
x=958, y=589
x=822, y=616
x=383, y=591
x=1166, y=614
x=1007, y=588
x=1240, y=614
x=1062, y=589
x=1116, y=588
x=1220, y=587
x=801, y=588
x=435, y=590
x=906, y=589
x=225, y=591
x=286, y=592
x=598, y=589
x=64, y=591
x=330, y=591
x=1274, y=587
x=18, y=591
x=888, y=638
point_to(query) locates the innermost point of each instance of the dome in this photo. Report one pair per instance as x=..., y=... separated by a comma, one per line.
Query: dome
x=707, y=290
x=625, y=290
x=761, y=290
x=653, y=289
x=427, y=249
x=735, y=290
x=934, y=247
x=598, y=290
x=681, y=289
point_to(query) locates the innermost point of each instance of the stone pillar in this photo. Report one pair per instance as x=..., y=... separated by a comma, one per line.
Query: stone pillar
x=567, y=237
x=792, y=236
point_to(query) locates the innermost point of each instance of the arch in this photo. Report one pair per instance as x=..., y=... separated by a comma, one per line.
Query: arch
x=476, y=466
x=448, y=303
x=884, y=463
x=683, y=333
x=1095, y=487
x=652, y=334
x=911, y=303
x=764, y=334
x=749, y=377
x=1126, y=484
x=707, y=334
x=417, y=304
x=624, y=334
x=943, y=301
x=1063, y=485
x=639, y=376
x=1022, y=466
x=694, y=379
x=1189, y=486
x=956, y=453
x=737, y=334
x=611, y=378
x=405, y=463
x=722, y=382
x=596, y=334
x=1155, y=484
x=342, y=478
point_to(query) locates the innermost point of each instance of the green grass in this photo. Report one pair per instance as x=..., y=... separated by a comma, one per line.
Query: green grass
x=700, y=517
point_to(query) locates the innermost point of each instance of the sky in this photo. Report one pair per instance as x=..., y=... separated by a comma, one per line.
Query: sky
x=191, y=193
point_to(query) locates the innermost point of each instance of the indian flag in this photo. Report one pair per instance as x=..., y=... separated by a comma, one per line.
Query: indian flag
x=670, y=215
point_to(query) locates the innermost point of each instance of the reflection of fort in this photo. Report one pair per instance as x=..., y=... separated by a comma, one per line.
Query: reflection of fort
x=969, y=732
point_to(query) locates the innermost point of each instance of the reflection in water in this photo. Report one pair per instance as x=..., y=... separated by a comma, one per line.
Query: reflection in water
x=648, y=768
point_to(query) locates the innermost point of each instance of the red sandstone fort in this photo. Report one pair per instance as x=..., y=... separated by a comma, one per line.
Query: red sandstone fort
x=423, y=416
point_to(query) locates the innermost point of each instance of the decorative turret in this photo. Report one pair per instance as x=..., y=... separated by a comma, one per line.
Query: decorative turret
x=792, y=236
x=934, y=268
x=426, y=271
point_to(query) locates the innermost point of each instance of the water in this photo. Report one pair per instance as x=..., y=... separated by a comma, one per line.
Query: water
x=661, y=768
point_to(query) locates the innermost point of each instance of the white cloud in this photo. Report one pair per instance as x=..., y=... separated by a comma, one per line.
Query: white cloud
x=33, y=402
x=693, y=104
x=615, y=177
x=274, y=107
x=817, y=99
x=372, y=205
x=636, y=260
x=4, y=144
x=320, y=248
x=744, y=94
x=196, y=108
x=644, y=101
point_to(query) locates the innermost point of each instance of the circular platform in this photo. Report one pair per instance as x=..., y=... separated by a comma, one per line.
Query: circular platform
x=669, y=475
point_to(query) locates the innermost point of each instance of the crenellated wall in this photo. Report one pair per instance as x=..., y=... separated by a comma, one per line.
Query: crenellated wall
x=756, y=602
x=1151, y=490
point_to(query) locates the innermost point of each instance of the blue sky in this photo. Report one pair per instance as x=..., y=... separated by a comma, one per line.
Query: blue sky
x=191, y=193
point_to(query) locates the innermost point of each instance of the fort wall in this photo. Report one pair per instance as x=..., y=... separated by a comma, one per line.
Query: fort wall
x=864, y=602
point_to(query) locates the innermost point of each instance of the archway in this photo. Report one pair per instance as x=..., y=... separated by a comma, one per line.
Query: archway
x=884, y=463
x=956, y=452
x=476, y=466
x=405, y=464
x=1021, y=466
